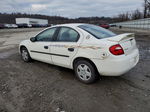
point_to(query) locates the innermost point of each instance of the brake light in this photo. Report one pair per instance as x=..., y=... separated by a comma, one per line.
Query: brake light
x=116, y=50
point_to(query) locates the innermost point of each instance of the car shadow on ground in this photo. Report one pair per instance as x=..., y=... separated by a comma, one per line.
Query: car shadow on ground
x=65, y=73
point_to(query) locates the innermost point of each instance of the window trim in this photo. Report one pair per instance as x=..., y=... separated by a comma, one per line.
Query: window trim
x=53, y=37
x=59, y=29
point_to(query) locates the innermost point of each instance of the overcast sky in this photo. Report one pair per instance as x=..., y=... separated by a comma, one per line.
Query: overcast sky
x=71, y=8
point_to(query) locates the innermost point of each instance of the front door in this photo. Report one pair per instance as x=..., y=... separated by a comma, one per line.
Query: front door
x=65, y=46
x=40, y=49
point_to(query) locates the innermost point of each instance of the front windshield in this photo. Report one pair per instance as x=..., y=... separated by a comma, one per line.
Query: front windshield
x=97, y=31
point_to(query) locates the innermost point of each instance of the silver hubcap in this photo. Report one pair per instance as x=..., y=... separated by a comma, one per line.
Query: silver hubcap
x=25, y=55
x=84, y=72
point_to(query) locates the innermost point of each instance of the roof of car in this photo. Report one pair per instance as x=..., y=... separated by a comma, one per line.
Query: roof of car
x=71, y=24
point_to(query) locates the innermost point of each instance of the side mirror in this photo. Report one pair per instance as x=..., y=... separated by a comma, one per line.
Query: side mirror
x=32, y=39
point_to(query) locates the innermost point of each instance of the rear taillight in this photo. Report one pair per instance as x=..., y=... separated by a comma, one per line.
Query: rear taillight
x=116, y=50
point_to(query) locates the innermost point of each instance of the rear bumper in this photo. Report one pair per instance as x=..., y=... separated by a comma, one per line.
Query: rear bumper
x=118, y=66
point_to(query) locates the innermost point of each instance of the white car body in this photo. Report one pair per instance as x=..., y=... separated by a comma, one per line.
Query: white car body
x=14, y=26
x=87, y=47
x=7, y=25
x=29, y=25
x=10, y=26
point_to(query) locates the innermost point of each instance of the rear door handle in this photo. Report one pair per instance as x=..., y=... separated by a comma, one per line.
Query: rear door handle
x=71, y=49
x=46, y=47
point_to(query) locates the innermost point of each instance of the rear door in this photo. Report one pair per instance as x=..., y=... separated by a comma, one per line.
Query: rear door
x=65, y=46
x=40, y=49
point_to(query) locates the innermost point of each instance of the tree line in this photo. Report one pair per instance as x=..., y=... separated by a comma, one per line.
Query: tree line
x=137, y=14
x=10, y=18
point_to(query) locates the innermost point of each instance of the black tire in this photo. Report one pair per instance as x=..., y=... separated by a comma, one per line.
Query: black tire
x=91, y=69
x=24, y=52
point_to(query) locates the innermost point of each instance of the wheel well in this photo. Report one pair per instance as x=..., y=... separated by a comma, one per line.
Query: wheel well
x=82, y=58
x=22, y=47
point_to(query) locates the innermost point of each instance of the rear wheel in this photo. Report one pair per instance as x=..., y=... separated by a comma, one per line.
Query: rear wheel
x=25, y=55
x=85, y=71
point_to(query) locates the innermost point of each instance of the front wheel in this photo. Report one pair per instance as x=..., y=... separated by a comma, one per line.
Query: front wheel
x=25, y=55
x=85, y=71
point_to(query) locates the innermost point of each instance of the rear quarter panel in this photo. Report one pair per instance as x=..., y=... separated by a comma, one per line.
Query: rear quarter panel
x=93, y=48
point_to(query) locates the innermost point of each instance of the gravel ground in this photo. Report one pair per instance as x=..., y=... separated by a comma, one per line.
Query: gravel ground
x=40, y=87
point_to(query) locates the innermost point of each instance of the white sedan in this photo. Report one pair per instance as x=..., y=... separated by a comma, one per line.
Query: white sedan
x=87, y=49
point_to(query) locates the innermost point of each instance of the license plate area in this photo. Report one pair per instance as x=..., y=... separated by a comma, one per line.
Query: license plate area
x=128, y=45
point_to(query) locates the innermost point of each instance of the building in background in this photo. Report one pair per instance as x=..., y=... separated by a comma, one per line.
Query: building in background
x=31, y=21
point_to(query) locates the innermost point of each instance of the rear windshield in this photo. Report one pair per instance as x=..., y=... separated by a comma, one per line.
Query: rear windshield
x=97, y=31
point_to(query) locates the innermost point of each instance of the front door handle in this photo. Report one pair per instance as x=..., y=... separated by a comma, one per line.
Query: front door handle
x=71, y=49
x=46, y=47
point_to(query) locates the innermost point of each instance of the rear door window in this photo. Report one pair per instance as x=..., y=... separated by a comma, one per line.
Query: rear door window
x=67, y=35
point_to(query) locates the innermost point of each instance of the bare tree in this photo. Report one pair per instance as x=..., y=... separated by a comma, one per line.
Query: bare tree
x=148, y=1
x=146, y=8
x=136, y=15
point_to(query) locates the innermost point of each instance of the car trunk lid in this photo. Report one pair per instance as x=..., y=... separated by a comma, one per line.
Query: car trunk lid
x=127, y=42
